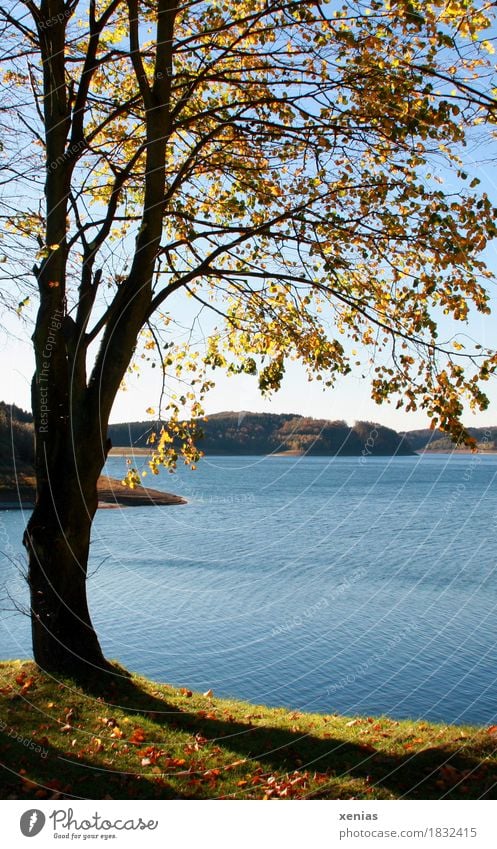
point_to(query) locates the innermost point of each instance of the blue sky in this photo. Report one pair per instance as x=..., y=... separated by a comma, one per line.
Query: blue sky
x=349, y=400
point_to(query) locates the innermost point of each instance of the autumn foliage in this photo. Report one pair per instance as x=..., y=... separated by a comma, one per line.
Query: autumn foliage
x=311, y=186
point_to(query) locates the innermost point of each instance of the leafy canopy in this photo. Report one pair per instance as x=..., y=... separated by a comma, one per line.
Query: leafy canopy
x=313, y=198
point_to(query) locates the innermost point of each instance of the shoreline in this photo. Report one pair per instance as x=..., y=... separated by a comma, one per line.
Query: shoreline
x=421, y=452
x=111, y=494
x=124, y=451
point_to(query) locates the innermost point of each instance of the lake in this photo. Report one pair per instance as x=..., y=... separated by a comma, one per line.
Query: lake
x=349, y=585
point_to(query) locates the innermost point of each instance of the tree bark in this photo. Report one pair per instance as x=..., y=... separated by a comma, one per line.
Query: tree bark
x=64, y=640
x=57, y=539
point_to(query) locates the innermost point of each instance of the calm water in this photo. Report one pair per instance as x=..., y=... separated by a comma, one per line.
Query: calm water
x=329, y=585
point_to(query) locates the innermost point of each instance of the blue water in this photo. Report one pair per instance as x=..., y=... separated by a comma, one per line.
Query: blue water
x=331, y=585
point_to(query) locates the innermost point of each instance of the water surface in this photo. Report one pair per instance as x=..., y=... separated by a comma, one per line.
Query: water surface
x=324, y=584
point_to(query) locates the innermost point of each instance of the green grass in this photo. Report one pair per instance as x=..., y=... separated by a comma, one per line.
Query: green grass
x=140, y=739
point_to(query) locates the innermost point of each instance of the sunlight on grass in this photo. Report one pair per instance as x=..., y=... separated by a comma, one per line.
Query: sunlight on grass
x=140, y=739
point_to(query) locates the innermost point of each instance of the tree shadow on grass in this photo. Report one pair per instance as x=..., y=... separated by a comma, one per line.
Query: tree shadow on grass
x=25, y=775
x=84, y=766
x=446, y=771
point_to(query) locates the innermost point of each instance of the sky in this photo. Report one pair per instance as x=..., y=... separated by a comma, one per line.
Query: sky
x=349, y=399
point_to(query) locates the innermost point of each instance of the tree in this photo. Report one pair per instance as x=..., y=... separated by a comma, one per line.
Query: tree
x=277, y=162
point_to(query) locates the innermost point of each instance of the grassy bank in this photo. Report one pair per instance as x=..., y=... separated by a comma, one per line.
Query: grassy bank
x=139, y=739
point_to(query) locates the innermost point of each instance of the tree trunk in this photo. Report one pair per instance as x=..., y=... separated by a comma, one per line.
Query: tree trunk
x=70, y=412
x=57, y=539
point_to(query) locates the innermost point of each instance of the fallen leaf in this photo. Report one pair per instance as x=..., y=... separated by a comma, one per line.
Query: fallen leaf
x=450, y=774
x=212, y=773
x=152, y=754
x=175, y=762
x=137, y=737
x=200, y=741
x=27, y=685
x=28, y=784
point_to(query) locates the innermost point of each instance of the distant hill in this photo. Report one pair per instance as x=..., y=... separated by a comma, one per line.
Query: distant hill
x=266, y=433
x=246, y=433
x=486, y=439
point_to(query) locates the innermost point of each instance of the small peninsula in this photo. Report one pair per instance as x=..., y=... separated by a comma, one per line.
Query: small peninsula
x=17, y=480
x=111, y=493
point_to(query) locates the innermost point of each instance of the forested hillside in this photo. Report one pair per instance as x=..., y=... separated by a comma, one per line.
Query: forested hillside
x=249, y=433
x=16, y=441
x=430, y=440
x=264, y=433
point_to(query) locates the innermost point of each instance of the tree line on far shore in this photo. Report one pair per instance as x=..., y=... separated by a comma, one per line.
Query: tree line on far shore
x=248, y=433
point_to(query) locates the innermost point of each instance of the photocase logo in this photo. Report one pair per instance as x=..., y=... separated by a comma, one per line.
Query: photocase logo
x=32, y=822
